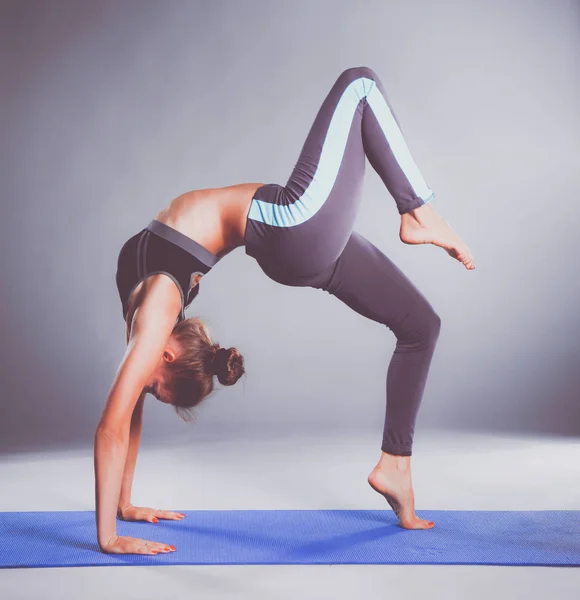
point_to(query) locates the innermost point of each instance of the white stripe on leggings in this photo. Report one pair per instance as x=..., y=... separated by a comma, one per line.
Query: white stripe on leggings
x=333, y=149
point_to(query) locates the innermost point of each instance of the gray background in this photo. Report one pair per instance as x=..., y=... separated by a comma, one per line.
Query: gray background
x=111, y=109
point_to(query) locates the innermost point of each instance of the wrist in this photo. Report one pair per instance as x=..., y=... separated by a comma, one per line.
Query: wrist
x=122, y=506
x=105, y=541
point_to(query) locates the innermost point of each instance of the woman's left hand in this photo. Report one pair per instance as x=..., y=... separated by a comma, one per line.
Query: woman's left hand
x=152, y=515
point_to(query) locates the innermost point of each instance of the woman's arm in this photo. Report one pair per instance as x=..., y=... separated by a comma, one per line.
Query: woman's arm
x=114, y=429
x=133, y=450
x=110, y=457
x=150, y=331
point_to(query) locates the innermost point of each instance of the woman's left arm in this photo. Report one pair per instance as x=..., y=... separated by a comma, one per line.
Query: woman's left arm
x=132, y=451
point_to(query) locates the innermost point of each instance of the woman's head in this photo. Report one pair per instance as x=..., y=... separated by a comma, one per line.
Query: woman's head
x=189, y=364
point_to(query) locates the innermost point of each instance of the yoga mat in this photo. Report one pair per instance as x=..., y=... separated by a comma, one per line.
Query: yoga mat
x=223, y=537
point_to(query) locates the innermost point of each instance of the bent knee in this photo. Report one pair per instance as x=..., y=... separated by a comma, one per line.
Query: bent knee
x=353, y=73
x=422, y=326
x=434, y=324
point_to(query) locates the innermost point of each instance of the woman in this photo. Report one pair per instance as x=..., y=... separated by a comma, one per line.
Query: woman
x=301, y=235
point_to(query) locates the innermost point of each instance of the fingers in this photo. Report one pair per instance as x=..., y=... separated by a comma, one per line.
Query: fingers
x=152, y=515
x=168, y=514
x=133, y=545
x=148, y=547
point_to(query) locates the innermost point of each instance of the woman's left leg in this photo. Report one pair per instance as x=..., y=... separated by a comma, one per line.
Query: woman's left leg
x=369, y=283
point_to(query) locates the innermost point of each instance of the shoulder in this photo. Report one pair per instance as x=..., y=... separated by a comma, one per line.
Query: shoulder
x=158, y=304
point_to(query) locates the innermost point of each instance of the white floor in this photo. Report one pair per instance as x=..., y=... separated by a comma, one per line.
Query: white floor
x=450, y=471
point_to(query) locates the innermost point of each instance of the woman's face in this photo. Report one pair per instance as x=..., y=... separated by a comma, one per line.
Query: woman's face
x=158, y=389
x=157, y=383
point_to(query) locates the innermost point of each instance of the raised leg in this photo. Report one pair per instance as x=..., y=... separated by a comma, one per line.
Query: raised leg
x=357, y=119
x=357, y=92
x=322, y=194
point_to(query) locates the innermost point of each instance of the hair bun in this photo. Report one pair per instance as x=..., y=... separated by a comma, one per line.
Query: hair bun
x=220, y=358
x=228, y=365
x=216, y=360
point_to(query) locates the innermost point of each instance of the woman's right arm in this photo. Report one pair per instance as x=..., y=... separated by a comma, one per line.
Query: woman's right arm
x=110, y=457
x=112, y=435
x=150, y=331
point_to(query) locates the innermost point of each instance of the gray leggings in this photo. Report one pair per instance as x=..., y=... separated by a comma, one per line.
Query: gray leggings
x=301, y=234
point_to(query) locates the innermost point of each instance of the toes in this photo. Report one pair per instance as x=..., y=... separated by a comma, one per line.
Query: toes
x=467, y=261
x=416, y=523
x=423, y=524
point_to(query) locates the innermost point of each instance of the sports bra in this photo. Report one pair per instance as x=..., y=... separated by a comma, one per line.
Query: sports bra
x=159, y=248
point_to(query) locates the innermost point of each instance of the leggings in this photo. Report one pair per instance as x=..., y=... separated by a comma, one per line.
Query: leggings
x=301, y=234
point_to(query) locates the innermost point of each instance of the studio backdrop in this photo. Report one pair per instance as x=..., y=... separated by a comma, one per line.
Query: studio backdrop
x=111, y=109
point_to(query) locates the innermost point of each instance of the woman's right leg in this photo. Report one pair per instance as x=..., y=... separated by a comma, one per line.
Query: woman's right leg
x=299, y=229
x=357, y=104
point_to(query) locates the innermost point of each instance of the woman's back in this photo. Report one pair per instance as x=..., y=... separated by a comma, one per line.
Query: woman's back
x=200, y=227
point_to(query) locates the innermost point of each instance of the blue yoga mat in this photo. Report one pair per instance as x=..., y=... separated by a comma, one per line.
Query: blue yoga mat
x=223, y=537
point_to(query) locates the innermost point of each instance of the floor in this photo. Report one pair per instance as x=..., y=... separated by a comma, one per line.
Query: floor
x=449, y=470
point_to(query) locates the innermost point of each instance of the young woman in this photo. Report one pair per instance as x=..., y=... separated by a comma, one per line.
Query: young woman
x=301, y=234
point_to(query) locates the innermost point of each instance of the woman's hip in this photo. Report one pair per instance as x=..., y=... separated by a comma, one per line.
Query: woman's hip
x=291, y=250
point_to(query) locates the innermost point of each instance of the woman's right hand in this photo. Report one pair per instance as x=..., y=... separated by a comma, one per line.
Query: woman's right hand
x=124, y=544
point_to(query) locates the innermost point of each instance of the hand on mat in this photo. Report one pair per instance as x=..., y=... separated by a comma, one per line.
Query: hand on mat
x=139, y=513
x=123, y=544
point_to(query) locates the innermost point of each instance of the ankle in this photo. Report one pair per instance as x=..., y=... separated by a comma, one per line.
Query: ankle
x=394, y=462
x=415, y=218
x=421, y=213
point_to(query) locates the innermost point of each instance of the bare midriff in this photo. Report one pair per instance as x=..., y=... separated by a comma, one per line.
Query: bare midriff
x=215, y=218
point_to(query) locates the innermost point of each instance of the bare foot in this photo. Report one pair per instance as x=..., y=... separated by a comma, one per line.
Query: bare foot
x=424, y=226
x=392, y=479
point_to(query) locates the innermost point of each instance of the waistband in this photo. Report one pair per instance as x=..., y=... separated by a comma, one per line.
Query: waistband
x=181, y=240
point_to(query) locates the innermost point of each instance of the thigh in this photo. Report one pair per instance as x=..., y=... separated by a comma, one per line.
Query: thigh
x=301, y=228
x=367, y=281
x=316, y=243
